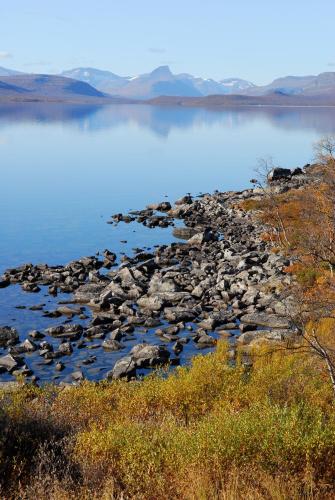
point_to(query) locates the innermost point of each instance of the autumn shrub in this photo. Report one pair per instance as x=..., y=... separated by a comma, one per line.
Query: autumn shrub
x=176, y=435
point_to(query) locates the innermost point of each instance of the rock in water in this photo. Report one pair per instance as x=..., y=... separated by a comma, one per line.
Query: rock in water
x=145, y=355
x=8, y=333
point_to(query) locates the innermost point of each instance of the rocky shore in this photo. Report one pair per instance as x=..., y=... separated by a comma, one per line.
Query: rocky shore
x=221, y=280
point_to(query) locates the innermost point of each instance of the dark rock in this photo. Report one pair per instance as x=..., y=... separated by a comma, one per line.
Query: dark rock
x=65, y=331
x=8, y=333
x=279, y=174
x=65, y=348
x=34, y=334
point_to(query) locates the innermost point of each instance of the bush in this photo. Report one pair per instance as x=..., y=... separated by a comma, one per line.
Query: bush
x=194, y=432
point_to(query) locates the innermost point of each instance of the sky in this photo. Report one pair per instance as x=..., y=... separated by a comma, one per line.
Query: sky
x=258, y=40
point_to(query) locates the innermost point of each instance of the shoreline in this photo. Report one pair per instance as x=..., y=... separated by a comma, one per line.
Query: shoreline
x=212, y=285
x=149, y=102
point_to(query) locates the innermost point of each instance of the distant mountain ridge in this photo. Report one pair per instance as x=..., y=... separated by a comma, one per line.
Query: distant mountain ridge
x=87, y=84
x=312, y=85
x=53, y=88
x=160, y=81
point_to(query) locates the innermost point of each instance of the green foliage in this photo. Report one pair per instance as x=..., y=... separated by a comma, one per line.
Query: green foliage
x=307, y=276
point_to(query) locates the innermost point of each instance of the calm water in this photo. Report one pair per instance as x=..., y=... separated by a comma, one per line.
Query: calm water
x=66, y=169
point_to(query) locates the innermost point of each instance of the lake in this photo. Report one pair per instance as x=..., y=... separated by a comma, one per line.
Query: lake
x=65, y=169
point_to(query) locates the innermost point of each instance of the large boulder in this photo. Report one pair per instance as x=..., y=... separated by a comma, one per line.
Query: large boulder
x=65, y=331
x=256, y=336
x=145, y=355
x=123, y=368
x=177, y=314
x=264, y=319
x=9, y=362
x=277, y=174
x=154, y=303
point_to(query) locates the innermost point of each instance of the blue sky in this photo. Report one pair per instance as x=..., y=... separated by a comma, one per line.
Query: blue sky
x=254, y=39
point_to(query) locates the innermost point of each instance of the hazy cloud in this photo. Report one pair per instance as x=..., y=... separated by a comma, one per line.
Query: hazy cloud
x=157, y=50
x=5, y=55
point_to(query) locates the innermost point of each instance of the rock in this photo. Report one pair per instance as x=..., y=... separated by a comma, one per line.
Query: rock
x=177, y=314
x=123, y=368
x=184, y=233
x=145, y=355
x=153, y=303
x=68, y=311
x=208, y=324
x=30, y=287
x=88, y=292
x=204, y=340
x=264, y=319
x=164, y=206
x=77, y=376
x=279, y=174
x=297, y=171
x=8, y=333
x=112, y=345
x=185, y=200
x=276, y=335
x=65, y=348
x=89, y=360
x=203, y=237
x=178, y=347
x=246, y=328
x=34, y=334
x=59, y=366
x=29, y=346
x=4, y=282
x=64, y=331
x=9, y=362
x=159, y=285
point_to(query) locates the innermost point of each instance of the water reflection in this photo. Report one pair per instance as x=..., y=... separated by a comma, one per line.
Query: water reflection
x=162, y=120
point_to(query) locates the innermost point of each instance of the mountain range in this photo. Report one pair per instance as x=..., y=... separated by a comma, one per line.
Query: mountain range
x=51, y=88
x=161, y=81
x=162, y=86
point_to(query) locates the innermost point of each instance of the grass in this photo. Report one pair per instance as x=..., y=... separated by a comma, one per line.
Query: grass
x=208, y=431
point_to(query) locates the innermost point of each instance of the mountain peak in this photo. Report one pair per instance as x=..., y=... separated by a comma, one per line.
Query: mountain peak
x=161, y=72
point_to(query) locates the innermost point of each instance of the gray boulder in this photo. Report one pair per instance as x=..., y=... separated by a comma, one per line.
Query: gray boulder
x=145, y=355
x=123, y=368
x=111, y=345
x=9, y=363
x=277, y=335
x=268, y=320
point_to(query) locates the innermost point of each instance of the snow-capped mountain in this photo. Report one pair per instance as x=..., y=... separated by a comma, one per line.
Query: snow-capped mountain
x=161, y=81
